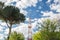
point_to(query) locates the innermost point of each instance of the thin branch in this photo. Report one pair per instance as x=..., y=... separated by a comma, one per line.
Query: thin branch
x=7, y=24
x=4, y=19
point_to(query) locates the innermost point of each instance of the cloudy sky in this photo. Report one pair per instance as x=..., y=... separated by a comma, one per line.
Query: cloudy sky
x=37, y=10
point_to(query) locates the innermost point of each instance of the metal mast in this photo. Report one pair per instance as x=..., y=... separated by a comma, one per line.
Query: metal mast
x=29, y=30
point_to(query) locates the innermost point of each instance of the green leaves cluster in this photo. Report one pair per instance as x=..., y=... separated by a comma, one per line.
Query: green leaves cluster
x=37, y=36
x=16, y=36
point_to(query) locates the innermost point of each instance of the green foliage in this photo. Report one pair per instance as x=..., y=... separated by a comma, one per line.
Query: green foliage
x=1, y=9
x=12, y=14
x=37, y=36
x=49, y=25
x=48, y=31
x=16, y=36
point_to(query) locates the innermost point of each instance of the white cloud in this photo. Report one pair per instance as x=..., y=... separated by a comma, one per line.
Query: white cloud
x=3, y=23
x=55, y=6
x=23, y=4
x=10, y=0
x=14, y=0
x=47, y=13
x=35, y=19
x=34, y=24
x=2, y=31
x=40, y=0
x=51, y=15
x=1, y=28
x=6, y=31
x=57, y=1
x=23, y=11
x=1, y=36
x=40, y=20
x=26, y=3
x=3, y=0
x=27, y=19
x=48, y=1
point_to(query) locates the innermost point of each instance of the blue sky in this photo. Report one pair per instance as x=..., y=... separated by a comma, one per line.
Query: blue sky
x=37, y=10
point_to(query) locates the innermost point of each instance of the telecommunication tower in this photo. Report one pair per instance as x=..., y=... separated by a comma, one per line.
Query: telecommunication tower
x=29, y=30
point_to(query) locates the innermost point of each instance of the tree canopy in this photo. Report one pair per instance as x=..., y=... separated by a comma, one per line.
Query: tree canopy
x=12, y=14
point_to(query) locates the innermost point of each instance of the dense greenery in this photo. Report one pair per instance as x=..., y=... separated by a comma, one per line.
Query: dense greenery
x=48, y=31
x=16, y=36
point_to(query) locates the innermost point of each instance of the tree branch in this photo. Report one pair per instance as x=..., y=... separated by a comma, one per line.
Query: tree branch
x=7, y=24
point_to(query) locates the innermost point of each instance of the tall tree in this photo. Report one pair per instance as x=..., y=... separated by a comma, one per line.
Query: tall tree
x=11, y=15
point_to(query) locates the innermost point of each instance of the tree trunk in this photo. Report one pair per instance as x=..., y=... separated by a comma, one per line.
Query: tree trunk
x=9, y=31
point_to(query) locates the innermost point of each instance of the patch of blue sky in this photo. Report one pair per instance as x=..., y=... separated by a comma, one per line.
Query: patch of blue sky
x=13, y=3
x=35, y=29
x=32, y=11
